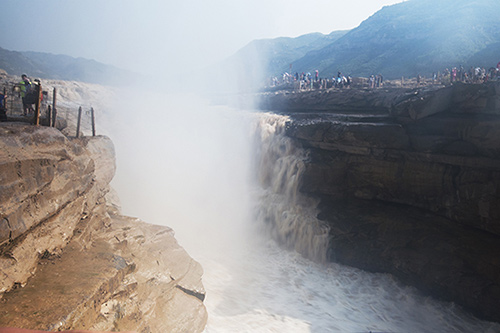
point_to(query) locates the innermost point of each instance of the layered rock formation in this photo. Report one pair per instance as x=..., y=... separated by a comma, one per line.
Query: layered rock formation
x=409, y=182
x=68, y=259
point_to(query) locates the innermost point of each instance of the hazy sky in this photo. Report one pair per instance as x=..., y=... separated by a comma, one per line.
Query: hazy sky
x=142, y=34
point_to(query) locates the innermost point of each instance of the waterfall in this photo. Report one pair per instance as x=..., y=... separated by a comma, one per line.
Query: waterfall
x=283, y=212
x=190, y=168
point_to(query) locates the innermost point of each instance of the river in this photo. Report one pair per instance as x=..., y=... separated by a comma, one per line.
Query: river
x=226, y=181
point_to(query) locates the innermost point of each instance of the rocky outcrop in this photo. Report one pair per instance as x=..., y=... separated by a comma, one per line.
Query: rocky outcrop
x=47, y=186
x=409, y=182
x=68, y=259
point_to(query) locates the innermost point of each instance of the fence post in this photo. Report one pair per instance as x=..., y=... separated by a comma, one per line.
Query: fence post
x=78, y=123
x=93, y=121
x=37, y=105
x=5, y=100
x=54, y=109
x=3, y=104
x=49, y=115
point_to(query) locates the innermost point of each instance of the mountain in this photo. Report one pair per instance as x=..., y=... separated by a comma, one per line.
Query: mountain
x=265, y=57
x=15, y=63
x=280, y=52
x=62, y=67
x=417, y=36
x=406, y=39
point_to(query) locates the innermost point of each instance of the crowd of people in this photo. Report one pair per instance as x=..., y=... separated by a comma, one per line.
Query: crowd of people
x=473, y=75
x=308, y=81
x=375, y=81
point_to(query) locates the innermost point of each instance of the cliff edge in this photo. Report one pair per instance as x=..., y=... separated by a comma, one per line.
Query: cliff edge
x=409, y=182
x=69, y=259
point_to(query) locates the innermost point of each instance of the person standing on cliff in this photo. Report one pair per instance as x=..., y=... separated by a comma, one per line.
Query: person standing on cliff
x=25, y=85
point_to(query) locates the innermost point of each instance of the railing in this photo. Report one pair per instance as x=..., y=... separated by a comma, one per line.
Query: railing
x=11, y=108
x=80, y=120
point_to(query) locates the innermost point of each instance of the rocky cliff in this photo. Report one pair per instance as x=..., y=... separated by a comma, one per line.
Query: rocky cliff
x=68, y=259
x=409, y=181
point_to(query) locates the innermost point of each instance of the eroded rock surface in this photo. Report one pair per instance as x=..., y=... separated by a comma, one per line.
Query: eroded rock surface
x=409, y=182
x=68, y=259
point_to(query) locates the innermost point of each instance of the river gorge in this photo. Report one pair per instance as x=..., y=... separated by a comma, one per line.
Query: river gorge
x=320, y=212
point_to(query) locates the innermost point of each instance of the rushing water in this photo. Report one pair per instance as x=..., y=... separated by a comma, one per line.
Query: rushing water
x=226, y=181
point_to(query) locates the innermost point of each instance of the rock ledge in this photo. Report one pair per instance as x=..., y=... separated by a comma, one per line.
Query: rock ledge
x=68, y=259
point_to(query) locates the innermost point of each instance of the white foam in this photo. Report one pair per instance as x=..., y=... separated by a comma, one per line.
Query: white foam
x=185, y=164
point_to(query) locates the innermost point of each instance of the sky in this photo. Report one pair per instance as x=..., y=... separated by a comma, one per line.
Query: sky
x=145, y=36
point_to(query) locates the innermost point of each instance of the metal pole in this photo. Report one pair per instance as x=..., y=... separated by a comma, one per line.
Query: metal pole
x=54, y=109
x=11, y=101
x=37, y=105
x=78, y=123
x=4, y=104
x=93, y=121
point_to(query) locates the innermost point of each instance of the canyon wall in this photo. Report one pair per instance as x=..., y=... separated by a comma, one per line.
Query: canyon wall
x=69, y=259
x=409, y=181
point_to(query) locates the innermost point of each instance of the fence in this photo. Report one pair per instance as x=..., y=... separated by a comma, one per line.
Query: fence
x=12, y=108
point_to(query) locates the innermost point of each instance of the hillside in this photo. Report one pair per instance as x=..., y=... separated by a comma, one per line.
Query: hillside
x=417, y=36
x=265, y=57
x=277, y=54
x=16, y=63
x=410, y=38
x=61, y=67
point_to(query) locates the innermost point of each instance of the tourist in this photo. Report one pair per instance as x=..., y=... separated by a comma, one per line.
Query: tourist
x=26, y=93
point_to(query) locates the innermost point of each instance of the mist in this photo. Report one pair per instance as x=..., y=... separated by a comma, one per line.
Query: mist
x=168, y=39
x=184, y=164
x=188, y=164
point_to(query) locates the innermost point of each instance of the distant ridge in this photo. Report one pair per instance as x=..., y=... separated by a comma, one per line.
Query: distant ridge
x=62, y=67
x=415, y=37
x=265, y=57
x=406, y=39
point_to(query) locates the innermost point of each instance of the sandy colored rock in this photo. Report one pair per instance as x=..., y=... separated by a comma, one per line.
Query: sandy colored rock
x=65, y=263
x=48, y=186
